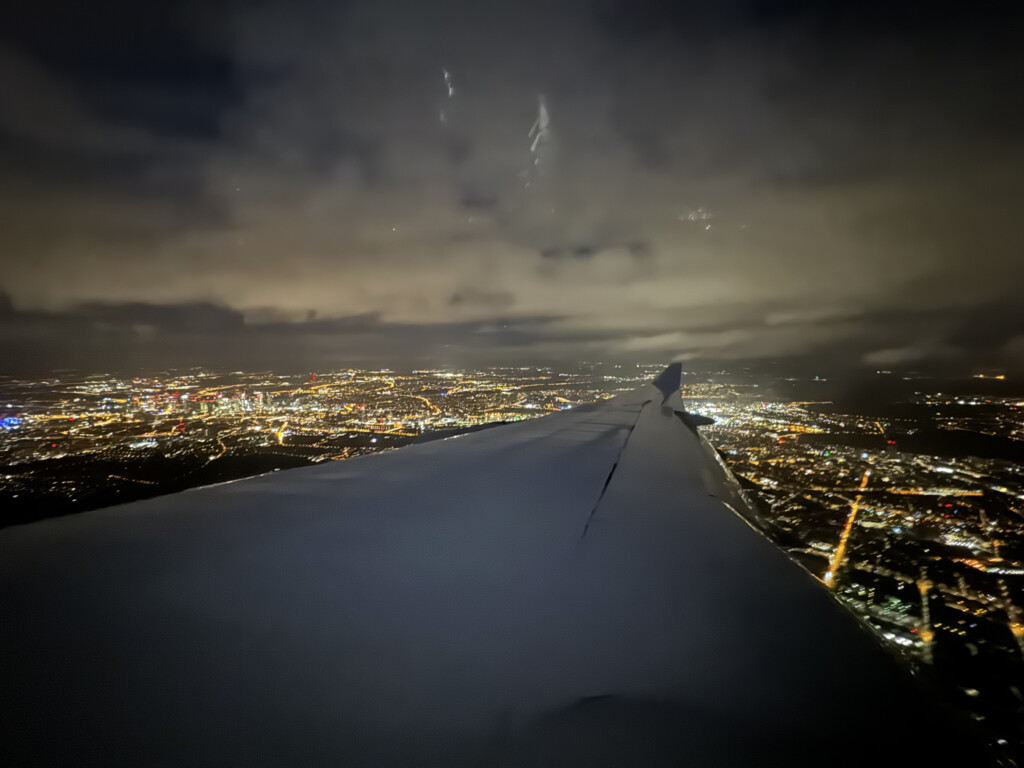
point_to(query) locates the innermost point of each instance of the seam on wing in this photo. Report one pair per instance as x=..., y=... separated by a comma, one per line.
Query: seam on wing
x=615, y=465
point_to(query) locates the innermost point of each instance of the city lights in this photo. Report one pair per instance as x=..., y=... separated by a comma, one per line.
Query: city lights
x=897, y=516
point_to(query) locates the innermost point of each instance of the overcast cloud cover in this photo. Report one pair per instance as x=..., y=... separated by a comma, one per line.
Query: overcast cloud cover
x=293, y=184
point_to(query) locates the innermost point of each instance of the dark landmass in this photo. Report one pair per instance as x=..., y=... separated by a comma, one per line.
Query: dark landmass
x=951, y=443
x=96, y=481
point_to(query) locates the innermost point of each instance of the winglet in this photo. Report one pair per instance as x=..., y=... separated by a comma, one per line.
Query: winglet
x=668, y=380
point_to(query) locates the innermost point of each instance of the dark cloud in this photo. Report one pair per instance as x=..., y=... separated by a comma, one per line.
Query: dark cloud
x=492, y=299
x=124, y=336
x=571, y=252
x=734, y=180
x=182, y=318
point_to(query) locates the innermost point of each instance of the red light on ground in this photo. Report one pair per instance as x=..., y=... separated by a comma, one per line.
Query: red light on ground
x=53, y=445
x=782, y=442
x=913, y=631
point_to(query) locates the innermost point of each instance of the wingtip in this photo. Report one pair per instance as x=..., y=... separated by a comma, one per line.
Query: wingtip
x=669, y=379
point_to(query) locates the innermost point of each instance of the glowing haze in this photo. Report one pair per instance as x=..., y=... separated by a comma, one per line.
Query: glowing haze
x=292, y=183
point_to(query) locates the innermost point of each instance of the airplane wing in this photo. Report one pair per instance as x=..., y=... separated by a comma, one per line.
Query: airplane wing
x=580, y=589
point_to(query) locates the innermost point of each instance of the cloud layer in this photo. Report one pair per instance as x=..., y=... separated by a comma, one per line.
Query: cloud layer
x=717, y=184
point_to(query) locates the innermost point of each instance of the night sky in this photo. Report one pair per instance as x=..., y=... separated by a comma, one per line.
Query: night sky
x=313, y=185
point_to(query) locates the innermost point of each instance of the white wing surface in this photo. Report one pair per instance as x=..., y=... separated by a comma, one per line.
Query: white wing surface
x=576, y=590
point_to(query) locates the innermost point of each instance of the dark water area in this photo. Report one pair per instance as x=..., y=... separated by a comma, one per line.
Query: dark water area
x=954, y=444
x=887, y=396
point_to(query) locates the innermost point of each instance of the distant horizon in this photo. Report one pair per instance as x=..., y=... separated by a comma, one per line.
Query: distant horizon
x=798, y=370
